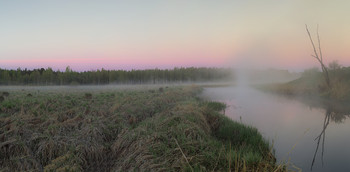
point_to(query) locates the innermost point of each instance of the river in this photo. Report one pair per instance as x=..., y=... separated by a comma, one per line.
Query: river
x=313, y=136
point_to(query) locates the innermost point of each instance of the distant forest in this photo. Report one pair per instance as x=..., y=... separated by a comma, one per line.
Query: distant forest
x=101, y=77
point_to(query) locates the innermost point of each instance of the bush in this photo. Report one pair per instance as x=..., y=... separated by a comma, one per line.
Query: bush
x=312, y=72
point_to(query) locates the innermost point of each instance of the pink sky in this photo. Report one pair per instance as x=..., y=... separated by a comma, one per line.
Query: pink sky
x=168, y=34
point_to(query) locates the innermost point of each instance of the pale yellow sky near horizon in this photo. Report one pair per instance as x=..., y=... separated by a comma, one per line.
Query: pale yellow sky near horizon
x=165, y=34
x=277, y=31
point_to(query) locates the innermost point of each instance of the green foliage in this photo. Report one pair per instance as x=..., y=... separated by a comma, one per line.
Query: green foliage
x=125, y=131
x=312, y=84
x=88, y=95
x=312, y=72
x=150, y=76
x=8, y=104
x=217, y=106
x=334, y=66
x=4, y=115
x=251, y=145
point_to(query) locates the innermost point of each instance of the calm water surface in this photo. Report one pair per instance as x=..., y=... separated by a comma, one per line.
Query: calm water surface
x=301, y=132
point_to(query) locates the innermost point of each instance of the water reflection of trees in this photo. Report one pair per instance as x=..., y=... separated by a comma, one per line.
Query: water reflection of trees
x=335, y=112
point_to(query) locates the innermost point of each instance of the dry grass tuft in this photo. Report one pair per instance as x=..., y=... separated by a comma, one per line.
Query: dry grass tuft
x=164, y=130
x=5, y=94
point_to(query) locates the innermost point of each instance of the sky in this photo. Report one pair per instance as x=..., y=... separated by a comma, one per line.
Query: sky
x=90, y=35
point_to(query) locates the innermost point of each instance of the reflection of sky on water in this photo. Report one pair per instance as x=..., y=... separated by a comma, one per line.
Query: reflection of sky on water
x=289, y=122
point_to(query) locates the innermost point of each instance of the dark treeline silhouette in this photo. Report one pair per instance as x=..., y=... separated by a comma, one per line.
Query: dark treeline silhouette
x=98, y=77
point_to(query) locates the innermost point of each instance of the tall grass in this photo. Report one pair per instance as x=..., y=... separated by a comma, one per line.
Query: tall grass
x=165, y=130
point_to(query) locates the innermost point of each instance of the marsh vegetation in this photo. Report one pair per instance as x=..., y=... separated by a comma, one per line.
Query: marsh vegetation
x=312, y=83
x=161, y=129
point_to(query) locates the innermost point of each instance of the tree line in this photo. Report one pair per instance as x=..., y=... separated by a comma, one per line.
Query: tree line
x=100, y=77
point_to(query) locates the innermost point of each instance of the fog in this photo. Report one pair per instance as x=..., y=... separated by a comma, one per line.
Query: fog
x=304, y=132
x=246, y=77
x=289, y=124
x=109, y=87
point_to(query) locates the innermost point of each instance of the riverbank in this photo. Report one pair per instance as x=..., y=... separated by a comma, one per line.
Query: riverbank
x=168, y=129
x=313, y=86
x=292, y=124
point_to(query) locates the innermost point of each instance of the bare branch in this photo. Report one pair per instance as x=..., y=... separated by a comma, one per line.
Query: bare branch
x=319, y=57
x=319, y=45
x=312, y=42
x=319, y=60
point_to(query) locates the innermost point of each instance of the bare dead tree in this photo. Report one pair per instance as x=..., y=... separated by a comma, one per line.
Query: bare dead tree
x=319, y=57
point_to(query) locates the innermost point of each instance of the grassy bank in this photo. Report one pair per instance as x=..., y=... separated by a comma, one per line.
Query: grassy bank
x=165, y=129
x=312, y=84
